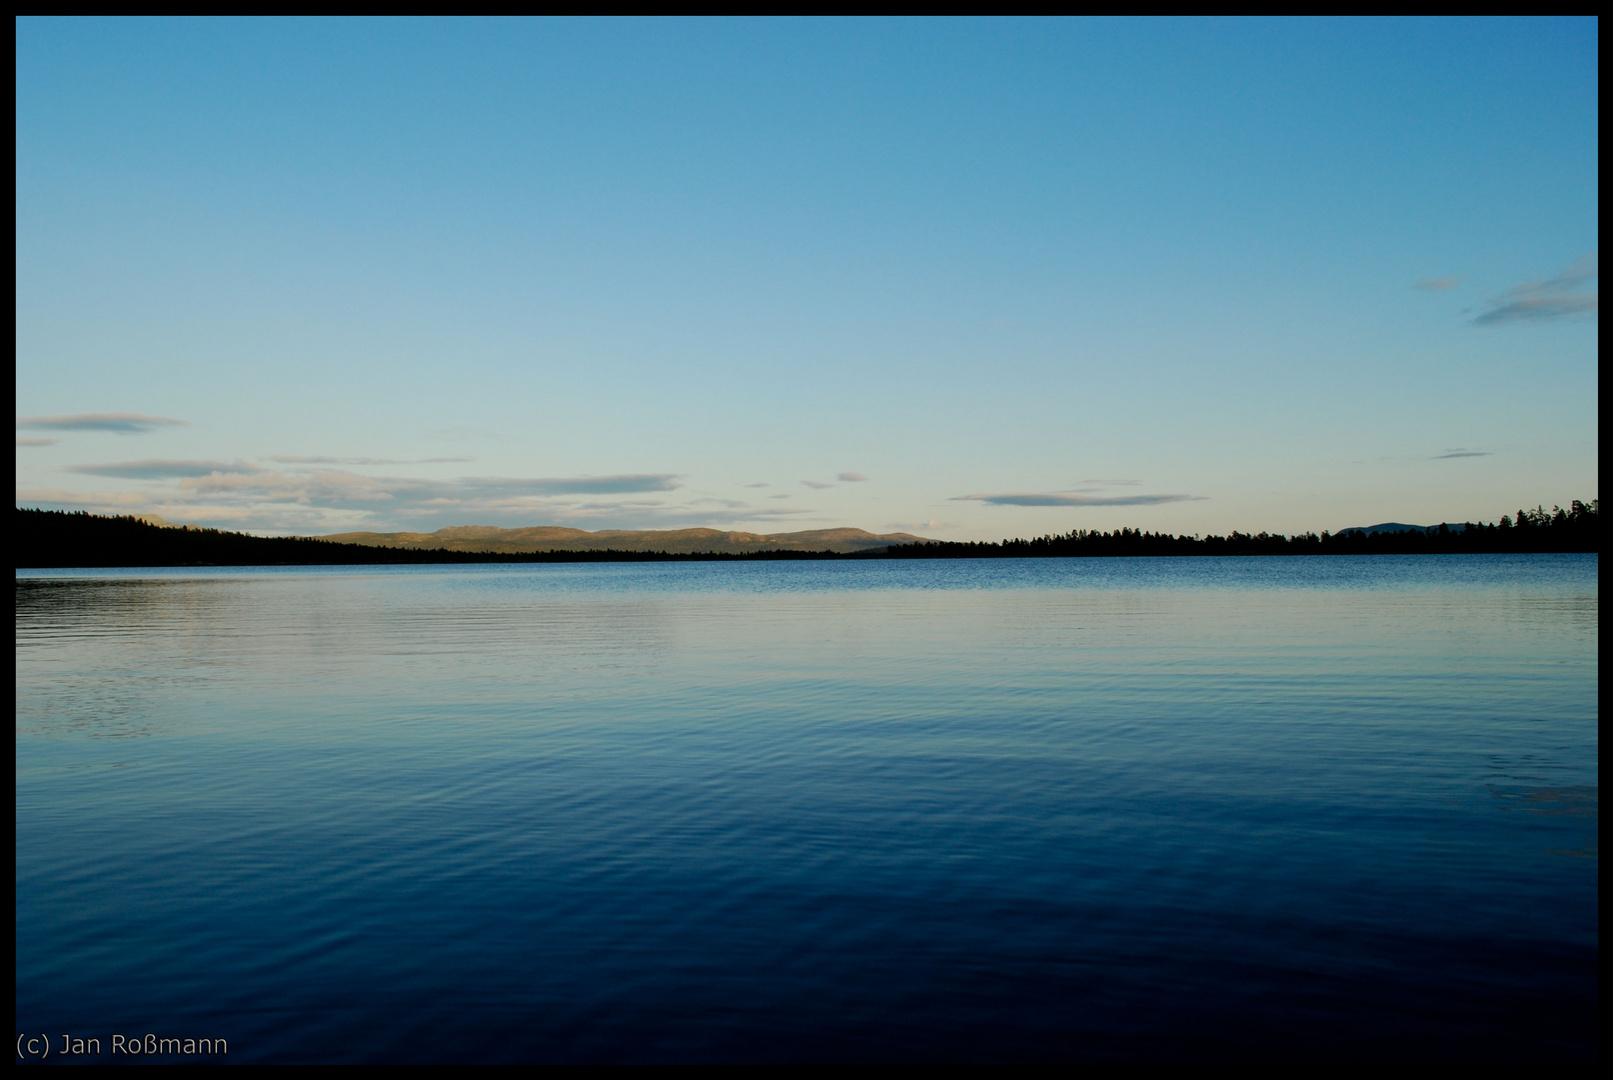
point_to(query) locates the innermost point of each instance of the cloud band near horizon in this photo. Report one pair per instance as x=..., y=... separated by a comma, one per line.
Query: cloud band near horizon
x=1057, y=498
x=238, y=475
x=313, y=498
x=117, y=423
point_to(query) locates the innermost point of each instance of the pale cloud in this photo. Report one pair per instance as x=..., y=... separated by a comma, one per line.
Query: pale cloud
x=1061, y=498
x=852, y=477
x=1437, y=284
x=23, y=440
x=578, y=485
x=816, y=485
x=337, y=485
x=1557, y=297
x=118, y=502
x=667, y=517
x=328, y=507
x=1459, y=452
x=324, y=486
x=162, y=469
x=297, y=459
x=326, y=500
x=119, y=423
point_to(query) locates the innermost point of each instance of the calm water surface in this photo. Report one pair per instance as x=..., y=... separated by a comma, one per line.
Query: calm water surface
x=997, y=809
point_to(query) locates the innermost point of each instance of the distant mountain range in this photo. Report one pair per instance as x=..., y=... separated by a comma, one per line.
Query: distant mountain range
x=673, y=541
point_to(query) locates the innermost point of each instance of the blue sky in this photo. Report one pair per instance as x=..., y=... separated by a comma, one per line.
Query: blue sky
x=969, y=279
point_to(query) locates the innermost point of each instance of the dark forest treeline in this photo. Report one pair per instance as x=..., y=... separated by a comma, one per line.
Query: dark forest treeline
x=1538, y=530
x=54, y=538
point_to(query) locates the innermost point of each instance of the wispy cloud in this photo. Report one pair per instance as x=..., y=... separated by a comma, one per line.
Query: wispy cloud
x=816, y=485
x=1458, y=451
x=118, y=422
x=577, y=485
x=852, y=477
x=164, y=469
x=672, y=517
x=1557, y=297
x=334, y=486
x=337, y=503
x=1437, y=284
x=1061, y=498
x=23, y=440
x=297, y=459
x=239, y=495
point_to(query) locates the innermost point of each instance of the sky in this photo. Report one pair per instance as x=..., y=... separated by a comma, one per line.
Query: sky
x=967, y=279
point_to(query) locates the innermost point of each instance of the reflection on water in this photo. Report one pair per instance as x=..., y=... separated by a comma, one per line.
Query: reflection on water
x=1006, y=809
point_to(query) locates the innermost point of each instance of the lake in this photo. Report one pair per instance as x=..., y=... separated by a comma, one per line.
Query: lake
x=1311, y=808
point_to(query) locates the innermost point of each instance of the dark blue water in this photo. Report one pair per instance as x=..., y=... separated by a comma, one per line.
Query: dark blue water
x=1314, y=808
